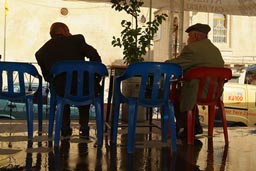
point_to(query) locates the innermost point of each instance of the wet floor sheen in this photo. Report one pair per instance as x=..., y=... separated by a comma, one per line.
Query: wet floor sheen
x=74, y=153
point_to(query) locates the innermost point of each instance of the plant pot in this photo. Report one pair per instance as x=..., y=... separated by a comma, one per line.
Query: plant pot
x=130, y=88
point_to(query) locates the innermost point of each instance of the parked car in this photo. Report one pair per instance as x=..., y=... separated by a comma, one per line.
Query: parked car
x=17, y=109
x=239, y=99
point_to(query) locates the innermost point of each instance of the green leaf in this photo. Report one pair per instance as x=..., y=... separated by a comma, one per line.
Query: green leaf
x=135, y=39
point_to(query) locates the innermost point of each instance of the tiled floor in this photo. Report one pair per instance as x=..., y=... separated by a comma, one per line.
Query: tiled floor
x=150, y=153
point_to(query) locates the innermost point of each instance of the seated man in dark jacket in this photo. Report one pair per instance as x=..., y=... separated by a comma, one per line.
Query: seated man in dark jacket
x=65, y=46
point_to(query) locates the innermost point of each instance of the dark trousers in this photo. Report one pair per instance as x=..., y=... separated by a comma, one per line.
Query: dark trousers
x=83, y=116
x=59, y=88
x=181, y=117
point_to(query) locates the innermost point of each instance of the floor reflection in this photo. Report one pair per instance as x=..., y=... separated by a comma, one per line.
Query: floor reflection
x=29, y=158
x=208, y=154
x=221, y=156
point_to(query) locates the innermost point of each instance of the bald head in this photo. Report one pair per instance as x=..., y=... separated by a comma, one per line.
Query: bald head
x=59, y=28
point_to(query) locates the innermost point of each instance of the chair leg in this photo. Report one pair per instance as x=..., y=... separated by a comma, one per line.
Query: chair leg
x=99, y=123
x=165, y=123
x=224, y=122
x=211, y=117
x=58, y=124
x=132, y=119
x=40, y=113
x=173, y=128
x=40, y=121
x=114, y=125
x=51, y=116
x=29, y=109
x=190, y=127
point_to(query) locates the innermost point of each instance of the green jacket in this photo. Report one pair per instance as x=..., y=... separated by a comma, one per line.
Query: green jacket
x=197, y=54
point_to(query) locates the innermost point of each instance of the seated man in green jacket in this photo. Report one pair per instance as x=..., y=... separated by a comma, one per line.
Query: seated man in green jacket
x=199, y=52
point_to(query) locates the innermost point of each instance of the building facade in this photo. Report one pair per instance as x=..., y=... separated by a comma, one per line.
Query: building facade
x=233, y=35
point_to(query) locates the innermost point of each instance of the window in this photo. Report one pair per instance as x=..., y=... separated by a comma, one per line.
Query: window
x=250, y=78
x=219, y=28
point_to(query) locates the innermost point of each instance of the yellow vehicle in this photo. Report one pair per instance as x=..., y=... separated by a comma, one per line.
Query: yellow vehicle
x=239, y=99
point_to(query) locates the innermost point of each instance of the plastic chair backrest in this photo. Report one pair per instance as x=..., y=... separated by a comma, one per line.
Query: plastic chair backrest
x=81, y=74
x=211, y=82
x=16, y=78
x=154, y=83
x=155, y=80
x=80, y=68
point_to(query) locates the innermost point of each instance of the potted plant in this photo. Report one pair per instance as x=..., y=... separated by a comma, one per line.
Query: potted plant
x=135, y=40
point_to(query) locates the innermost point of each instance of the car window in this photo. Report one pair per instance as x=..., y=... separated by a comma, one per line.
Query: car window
x=250, y=78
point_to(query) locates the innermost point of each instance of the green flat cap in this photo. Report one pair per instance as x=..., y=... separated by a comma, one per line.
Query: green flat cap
x=204, y=28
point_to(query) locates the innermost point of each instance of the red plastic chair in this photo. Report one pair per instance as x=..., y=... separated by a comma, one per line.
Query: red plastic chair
x=213, y=79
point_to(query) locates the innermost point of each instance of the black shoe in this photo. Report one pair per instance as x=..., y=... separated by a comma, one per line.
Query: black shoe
x=198, y=144
x=198, y=129
x=84, y=132
x=64, y=148
x=65, y=132
x=181, y=133
x=83, y=149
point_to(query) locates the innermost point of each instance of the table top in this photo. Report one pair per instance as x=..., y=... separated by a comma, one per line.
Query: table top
x=117, y=66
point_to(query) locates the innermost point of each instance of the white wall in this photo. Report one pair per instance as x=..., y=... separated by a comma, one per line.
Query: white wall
x=28, y=23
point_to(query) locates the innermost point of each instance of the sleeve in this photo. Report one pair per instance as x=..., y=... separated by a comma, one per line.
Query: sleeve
x=89, y=51
x=44, y=70
x=185, y=59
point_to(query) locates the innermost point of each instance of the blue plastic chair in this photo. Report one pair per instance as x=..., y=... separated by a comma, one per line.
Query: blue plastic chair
x=155, y=94
x=16, y=79
x=80, y=67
